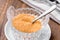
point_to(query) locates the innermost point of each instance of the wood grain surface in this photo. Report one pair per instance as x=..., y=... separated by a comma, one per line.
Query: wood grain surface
x=4, y=4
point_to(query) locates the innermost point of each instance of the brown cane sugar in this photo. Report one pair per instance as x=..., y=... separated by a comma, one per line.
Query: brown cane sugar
x=23, y=23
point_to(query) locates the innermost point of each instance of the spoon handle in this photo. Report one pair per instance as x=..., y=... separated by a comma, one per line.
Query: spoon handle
x=45, y=13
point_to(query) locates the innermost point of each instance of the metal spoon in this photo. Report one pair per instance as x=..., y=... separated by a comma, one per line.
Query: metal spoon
x=45, y=13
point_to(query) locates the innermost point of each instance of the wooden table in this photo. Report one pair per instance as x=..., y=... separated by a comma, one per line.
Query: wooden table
x=4, y=4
